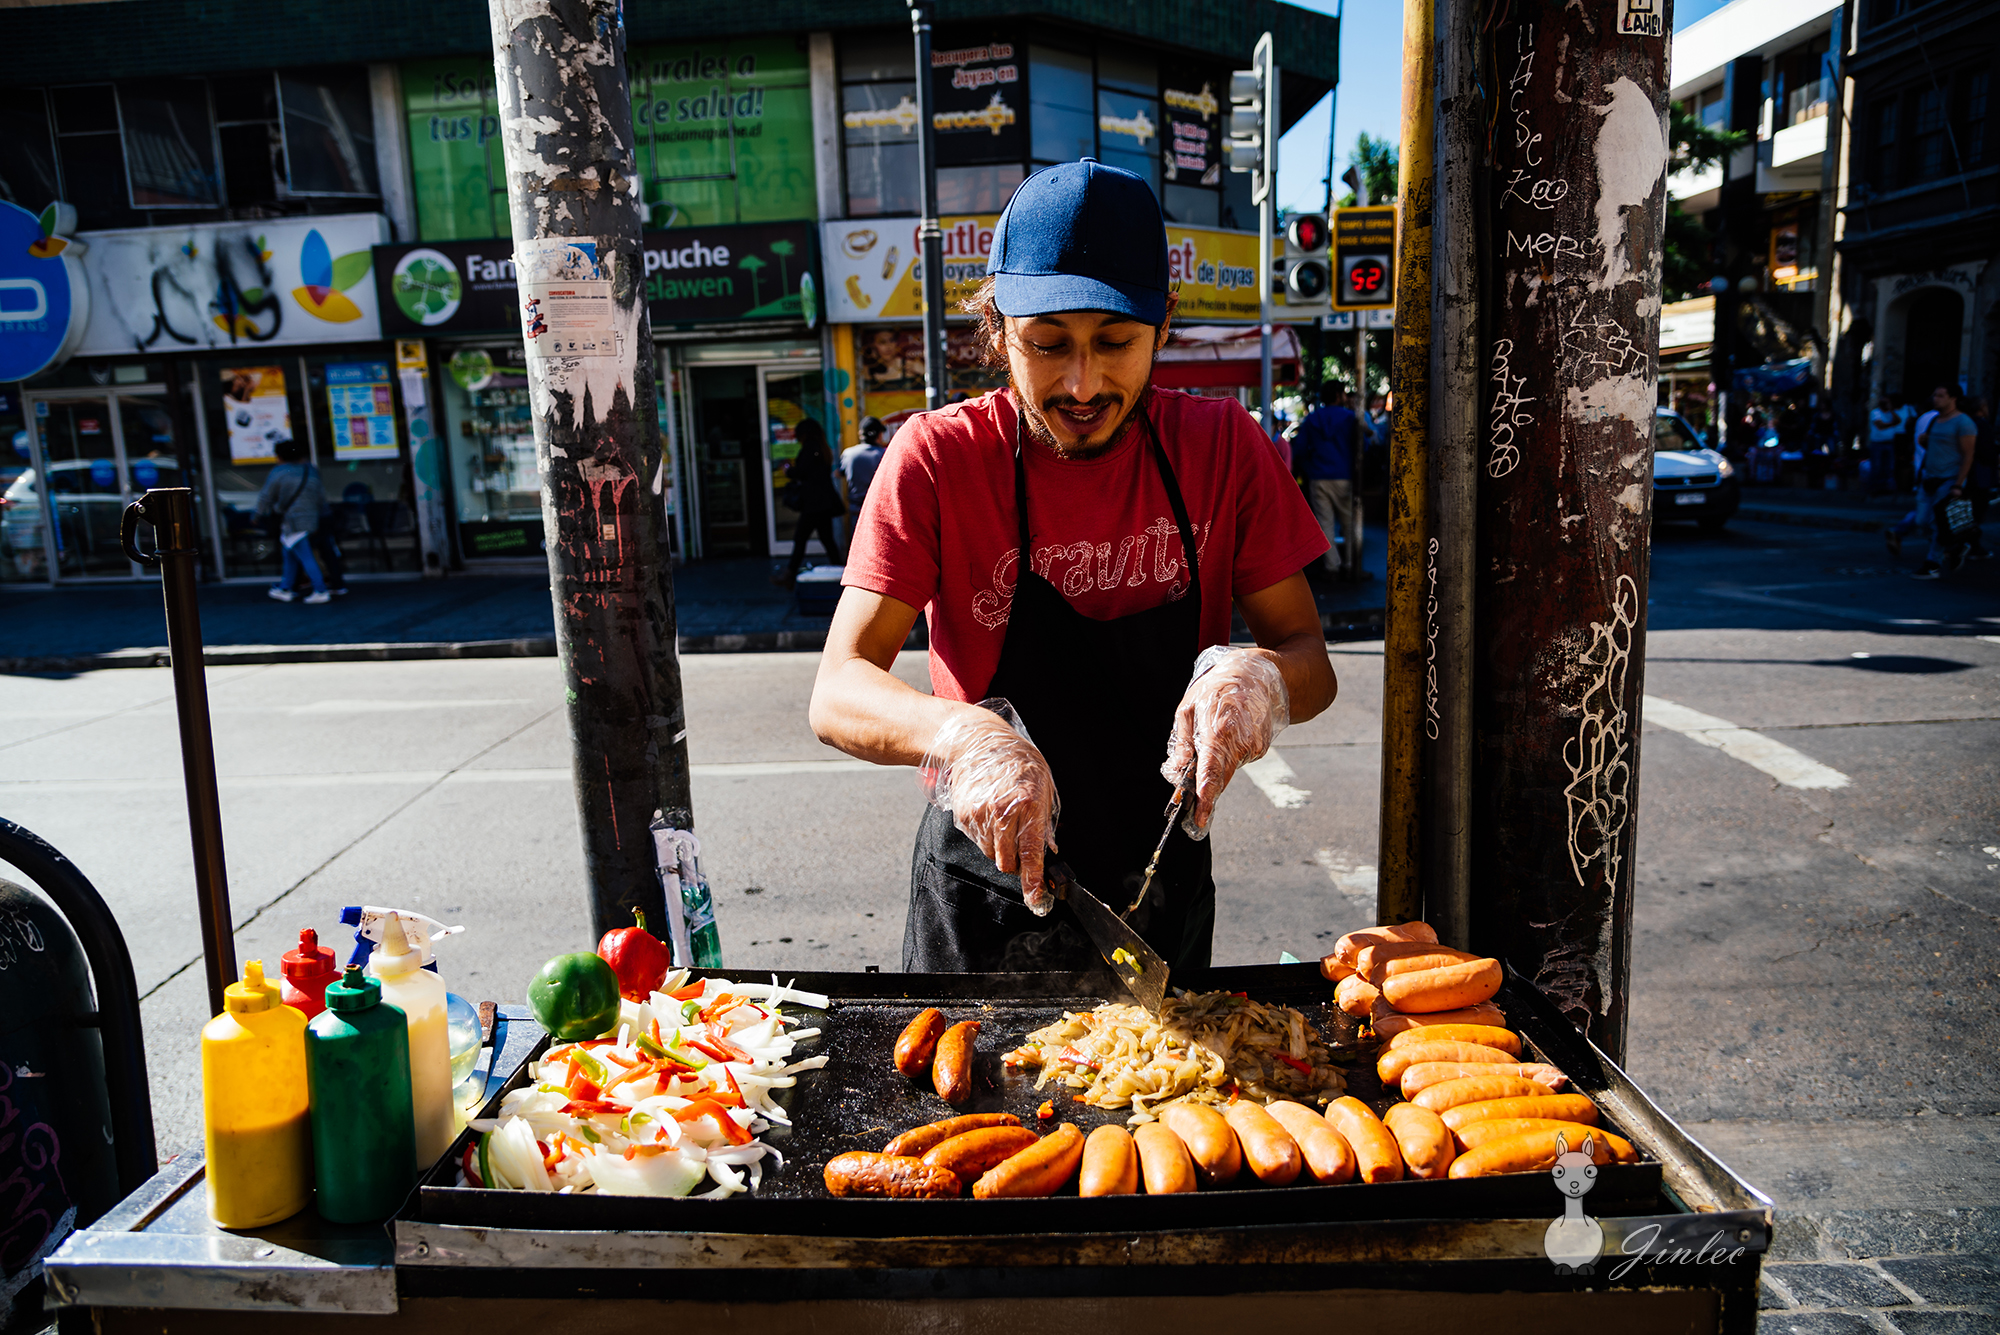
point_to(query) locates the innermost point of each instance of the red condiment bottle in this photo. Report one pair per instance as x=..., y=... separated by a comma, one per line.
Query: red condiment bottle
x=307, y=972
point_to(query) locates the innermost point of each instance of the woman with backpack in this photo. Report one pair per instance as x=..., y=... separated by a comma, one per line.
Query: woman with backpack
x=293, y=496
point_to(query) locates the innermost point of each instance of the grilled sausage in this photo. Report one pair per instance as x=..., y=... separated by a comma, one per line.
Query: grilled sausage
x=1379, y=1157
x=1210, y=1140
x=1267, y=1147
x=1327, y=1155
x=1485, y=1035
x=1389, y=1067
x=1560, y=1107
x=1347, y=950
x=919, y=1041
x=1424, y=1139
x=1452, y=988
x=970, y=1153
x=1356, y=995
x=1388, y=1022
x=1535, y=1151
x=859, y=1173
x=919, y=1139
x=1477, y=1089
x=1476, y=1134
x=1375, y=961
x=1163, y=1160
x=1110, y=1163
x=1419, y=1076
x=951, y=1068
x=1039, y=1170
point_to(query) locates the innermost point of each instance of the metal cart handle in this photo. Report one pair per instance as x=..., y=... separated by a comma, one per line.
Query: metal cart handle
x=128, y=531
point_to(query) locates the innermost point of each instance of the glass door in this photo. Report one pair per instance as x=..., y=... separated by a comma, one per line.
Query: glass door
x=82, y=486
x=726, y=407
x=789, y=396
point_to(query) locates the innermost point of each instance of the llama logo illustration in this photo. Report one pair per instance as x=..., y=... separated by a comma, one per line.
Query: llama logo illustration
x=1575, y=1241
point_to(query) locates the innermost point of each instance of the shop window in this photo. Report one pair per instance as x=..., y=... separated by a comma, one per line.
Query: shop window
x=252, y=138
x=977, y=189
x=1929, y=134
x=877, y=57
x=1192, y=206
x=1128, y=134
x=1804, y=82
x=90, y=155
x=1973, y=142
x=169, y=144
x=27, y=150
x=329, y=132
x=490, y=431
x=878, y=129
x=1128, y=70
x=1061, y=106
x=1713, y=111
x=725, y=131
x=452, y=114
x=1885, y=144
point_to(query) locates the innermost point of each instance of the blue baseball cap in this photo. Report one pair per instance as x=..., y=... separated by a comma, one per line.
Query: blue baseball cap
x=1081, y=237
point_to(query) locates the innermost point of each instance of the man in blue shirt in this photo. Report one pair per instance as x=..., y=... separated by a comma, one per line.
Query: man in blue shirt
x=1326, y=451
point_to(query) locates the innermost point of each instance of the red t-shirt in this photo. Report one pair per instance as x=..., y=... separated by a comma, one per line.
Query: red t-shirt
x=940, y=530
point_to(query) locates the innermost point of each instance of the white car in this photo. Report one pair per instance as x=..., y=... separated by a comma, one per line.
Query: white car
x=1690, y=480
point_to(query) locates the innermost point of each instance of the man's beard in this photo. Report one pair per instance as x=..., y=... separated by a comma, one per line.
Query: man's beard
x=1038, y=422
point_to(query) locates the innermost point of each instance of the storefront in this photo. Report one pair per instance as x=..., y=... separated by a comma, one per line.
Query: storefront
x=203, y=348
x=733, y=309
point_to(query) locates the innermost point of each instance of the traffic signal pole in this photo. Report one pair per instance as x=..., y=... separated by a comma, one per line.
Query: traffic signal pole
x=1572, y=213
x=930, y=232
x=573, y=194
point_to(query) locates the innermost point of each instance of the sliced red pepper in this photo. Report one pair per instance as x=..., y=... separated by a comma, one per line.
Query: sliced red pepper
x=638, y=1072
x=470, y=1163
x=1303, y=1068
x=721, y=1040
x=581, y=1087
x=734, y=1088
x=556, y=1151
x=722, y=1005
x=708, y=1107
x=690, y=992
x=590, y=1106
x=1076, y=1058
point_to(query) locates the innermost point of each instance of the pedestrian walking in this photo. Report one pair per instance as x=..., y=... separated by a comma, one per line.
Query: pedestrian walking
x=1948, y=439
x=1077, y=543
x=295, y=501
x=810, y=491
x=1328, y=447
x=1885, y=429
x=1985, y=472
x=857, y=469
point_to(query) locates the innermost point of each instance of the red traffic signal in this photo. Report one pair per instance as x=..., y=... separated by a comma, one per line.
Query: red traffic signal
x=1307, y=232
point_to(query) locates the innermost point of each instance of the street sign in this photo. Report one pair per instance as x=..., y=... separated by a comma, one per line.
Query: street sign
x=1364, y=258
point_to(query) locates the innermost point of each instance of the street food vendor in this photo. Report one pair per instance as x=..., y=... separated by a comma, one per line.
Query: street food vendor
x=1076, y=540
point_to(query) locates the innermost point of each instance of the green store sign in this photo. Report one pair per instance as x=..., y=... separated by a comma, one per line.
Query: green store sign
x=724, y=135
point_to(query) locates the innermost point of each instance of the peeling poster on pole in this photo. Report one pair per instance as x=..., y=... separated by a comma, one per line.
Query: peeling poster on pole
x=566, y=304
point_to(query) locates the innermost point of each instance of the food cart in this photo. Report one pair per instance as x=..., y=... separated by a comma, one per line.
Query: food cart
x=1684, y=1238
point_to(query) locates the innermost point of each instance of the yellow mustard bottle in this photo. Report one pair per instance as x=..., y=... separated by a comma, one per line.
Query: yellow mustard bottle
x=255, y=1106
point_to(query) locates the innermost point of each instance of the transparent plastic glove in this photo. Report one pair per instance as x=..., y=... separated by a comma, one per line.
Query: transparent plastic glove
x=1235, y=704
x=985, y=770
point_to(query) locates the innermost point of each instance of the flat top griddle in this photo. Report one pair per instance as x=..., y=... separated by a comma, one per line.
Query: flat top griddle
x=858, y=1101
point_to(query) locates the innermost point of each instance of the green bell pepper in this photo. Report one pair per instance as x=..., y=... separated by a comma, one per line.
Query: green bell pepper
x=575, y=997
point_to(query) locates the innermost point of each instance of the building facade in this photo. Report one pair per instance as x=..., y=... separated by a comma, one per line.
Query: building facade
x=306, y=236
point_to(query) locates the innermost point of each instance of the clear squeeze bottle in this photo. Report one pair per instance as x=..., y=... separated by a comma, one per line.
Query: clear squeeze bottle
x=363, y=1129
x=419, y=994
x=307, y=972
x=256, y=1127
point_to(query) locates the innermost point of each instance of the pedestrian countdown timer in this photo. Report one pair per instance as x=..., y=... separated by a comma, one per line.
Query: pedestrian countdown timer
x=1364, y=258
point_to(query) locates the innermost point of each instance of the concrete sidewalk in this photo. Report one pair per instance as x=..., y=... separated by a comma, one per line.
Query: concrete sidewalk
x=727, y=606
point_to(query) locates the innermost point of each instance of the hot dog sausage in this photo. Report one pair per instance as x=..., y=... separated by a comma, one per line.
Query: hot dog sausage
x=1421, y=1135
x=1164, y=1161
x=1039, y=1170
x=1451, y=988
x=1328, y=1157
x=970, y=1153
x=1210, y=1140
x=1348, y=949
x=1419, y=1076
x=1534, y=1151
x=1373, y=962
x=1268, y=1148
x=1485, y=1035
x=1476, y=1134
x=859, y=1173
x=1356, y=995
x=1559, y=1107
x=918, y=1042
x=1388, y=1022
x=1390, y=1065
x=914, y=1142
x=1476, y=1089
x=1110, y=1163
x=951, y=1068
x=1379, y=1158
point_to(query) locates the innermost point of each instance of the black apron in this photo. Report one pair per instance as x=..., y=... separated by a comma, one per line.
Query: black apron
x=1098, y=698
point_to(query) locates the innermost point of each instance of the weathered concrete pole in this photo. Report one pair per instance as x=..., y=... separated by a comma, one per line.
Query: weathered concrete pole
x=566, y=126
x=1575, y=206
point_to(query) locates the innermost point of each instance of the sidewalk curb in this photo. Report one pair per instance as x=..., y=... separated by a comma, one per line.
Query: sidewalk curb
x=1807, y=519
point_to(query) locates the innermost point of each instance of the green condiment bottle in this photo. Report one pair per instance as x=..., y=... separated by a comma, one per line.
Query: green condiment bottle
x=363, y=1128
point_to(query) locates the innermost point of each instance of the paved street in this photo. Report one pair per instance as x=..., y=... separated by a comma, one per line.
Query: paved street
x=1816, y=965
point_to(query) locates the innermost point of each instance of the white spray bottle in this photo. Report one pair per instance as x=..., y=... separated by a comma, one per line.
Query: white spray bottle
x=419, y=994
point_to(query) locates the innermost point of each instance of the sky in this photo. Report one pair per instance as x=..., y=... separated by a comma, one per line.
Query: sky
x=1370, y=95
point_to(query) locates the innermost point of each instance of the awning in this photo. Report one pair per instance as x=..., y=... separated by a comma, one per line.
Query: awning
x=1222, y=356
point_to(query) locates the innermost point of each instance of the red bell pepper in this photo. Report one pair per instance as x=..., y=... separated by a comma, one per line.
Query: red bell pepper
x=690, y=992
x=639, y=958
x=708, y=1107
x=1303, y=1068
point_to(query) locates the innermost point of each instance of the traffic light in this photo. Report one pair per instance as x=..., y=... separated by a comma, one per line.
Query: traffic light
x=1305, y=282
x=1252, y=124
x=1364, y=258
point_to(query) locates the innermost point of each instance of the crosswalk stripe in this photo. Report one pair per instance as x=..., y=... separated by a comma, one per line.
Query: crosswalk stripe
x=1792, y=768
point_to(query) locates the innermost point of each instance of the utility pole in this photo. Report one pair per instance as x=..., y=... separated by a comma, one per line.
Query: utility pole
x=1574, y=206
x=930, y=232
x=573, y=193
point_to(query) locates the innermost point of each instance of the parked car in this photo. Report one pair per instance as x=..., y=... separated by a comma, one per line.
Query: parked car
x=1691, y=481
x=88, y=508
